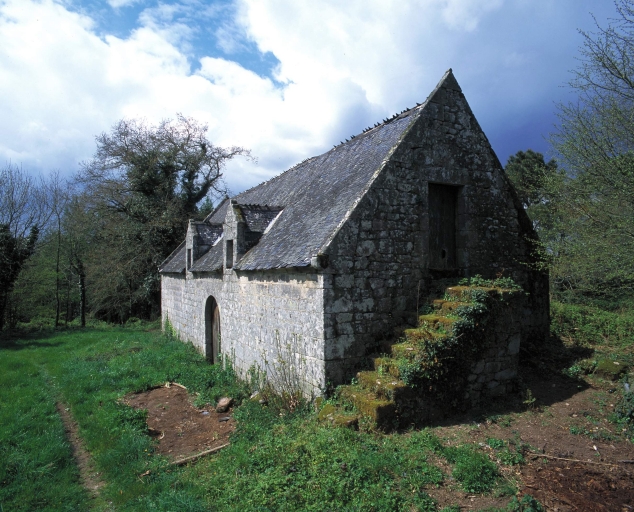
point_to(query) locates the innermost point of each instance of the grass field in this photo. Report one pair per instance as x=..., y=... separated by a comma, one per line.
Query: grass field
x=276, y=460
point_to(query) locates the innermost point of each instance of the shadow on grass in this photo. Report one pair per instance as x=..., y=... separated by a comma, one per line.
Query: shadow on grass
x=19, y=339
x=541, y=371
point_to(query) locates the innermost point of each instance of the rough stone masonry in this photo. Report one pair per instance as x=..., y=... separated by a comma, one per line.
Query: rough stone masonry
x=320, y=264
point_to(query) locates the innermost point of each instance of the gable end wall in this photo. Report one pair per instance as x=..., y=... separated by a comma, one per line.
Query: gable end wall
x=379, y=259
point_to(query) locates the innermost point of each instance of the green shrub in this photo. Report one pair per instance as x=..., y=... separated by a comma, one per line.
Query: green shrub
x=624, y=413
x=591, y=325
x=472, y=469
x=496, y=444
x=526, y=504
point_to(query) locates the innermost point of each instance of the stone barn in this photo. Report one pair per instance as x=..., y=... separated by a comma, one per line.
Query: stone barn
x=325, y=260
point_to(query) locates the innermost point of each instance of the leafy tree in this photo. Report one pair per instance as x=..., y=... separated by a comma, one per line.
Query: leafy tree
x=23, y=212
x=537, y=183
x=595, y=146
x=531, y=175
x=14, y=251
x=77, y=231
x=141, y=187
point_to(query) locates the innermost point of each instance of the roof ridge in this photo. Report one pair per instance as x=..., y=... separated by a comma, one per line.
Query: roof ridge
x=211, y=214
x=403, y=113
x=366, y=130
x=269, y=206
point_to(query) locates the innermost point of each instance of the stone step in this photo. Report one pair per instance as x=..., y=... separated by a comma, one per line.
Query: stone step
x=465, y=293
x=418, y=334
x=384, y=364
x=384, y=386
x=436, y=322
x=333, y=415
x=409, y=351
x=447, y=307
x=382, y=412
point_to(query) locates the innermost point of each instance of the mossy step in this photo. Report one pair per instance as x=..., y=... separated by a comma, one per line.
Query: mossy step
x=386, y=364
x=436, y=321
x=334, y=416
x=409, y=351
x=384, y=385
x=419, y=334
x=382, y=412
x=446, y=307
x=609, y=369
x=465, y=293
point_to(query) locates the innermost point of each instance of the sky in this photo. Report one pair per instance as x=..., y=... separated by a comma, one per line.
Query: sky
x=287, y=79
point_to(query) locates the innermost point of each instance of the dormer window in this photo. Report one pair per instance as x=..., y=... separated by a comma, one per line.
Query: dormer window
x=189, y=259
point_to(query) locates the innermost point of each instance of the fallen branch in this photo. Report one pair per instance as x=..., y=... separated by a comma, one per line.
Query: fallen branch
x=537, y=455
x=170, y=384
x=198, y=455
x=627, y=461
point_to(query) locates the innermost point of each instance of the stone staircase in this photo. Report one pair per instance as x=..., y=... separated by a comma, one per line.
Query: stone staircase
x=462, y=350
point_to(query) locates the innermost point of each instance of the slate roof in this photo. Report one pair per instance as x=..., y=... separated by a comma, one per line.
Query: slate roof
x=175, y=262
x=258, y=217
x=208, y=234
x=211, y=261
x=316, y=196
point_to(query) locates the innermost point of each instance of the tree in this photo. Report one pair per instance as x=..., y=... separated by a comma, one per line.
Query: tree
x=595, y=145
x=78, y=235
x=536, y=183
x=57, y=194
x=23, y=212
x=14, y=252
x=142, y=185
x=530, y=175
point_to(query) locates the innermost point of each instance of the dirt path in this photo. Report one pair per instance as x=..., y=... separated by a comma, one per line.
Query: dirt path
x=89, y=477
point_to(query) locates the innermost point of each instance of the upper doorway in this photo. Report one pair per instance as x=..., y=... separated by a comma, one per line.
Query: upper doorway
x=443, y=207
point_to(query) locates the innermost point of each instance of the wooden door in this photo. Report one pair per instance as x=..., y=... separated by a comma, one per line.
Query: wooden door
x=443, y=201
x=215, y=334
x=212, y=330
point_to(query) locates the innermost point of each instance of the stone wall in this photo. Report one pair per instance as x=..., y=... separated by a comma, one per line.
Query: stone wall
x=379, y=258
x=495, y=373
x=261, y=313
x=378, y=271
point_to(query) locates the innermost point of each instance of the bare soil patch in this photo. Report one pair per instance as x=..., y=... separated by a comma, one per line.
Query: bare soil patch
x=568, y=420
x=180, y=429
x=89, y=477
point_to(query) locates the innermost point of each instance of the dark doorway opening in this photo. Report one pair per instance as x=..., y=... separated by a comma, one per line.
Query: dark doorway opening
x=443, y=203
x=212, y=330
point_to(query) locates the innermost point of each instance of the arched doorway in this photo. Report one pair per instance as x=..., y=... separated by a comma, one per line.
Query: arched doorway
x=212, y=330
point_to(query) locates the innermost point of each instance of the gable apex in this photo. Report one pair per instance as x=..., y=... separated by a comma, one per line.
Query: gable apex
x=447, y=82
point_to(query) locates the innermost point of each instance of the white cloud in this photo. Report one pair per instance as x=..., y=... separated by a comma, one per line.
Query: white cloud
x=116, y=4
x=466, y=14
x=342, y=67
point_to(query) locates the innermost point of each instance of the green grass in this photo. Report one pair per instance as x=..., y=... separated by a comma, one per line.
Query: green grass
x=276, y=461
x=593, y=326
x=37, y=471
x=292, y=463
x=90, y=369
